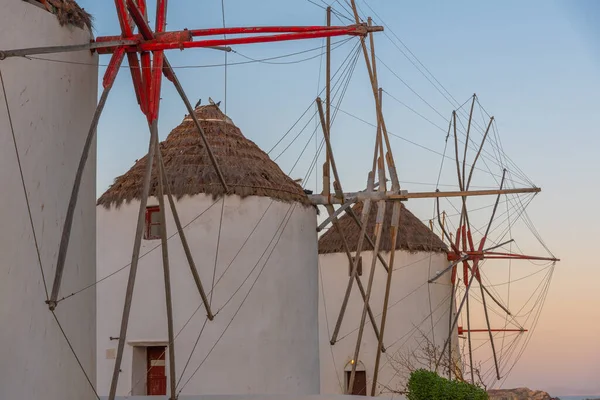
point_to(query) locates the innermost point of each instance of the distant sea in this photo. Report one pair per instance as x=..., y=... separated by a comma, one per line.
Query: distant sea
x=578, y=397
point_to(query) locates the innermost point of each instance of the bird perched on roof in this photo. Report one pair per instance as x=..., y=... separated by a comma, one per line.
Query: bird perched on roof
x=198, y=103
x=210, y=100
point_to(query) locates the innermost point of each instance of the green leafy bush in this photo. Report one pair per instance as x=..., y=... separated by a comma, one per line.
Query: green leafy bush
x=427, y=385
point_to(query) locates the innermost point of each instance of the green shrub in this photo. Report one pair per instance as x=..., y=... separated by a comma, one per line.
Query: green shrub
x=427, y=385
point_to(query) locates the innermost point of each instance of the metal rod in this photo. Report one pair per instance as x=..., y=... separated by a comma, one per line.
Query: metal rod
x=167, y=274
x=115, y=62
x=394, y=233
x=361, y=196
x=134, y=260
x=361, y=327
x=184, y=243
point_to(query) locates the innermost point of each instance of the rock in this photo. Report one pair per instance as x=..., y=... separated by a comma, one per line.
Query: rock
x=519, y=394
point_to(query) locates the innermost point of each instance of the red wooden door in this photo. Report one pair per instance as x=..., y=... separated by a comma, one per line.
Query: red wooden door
x=157, y=377
x=360, y=383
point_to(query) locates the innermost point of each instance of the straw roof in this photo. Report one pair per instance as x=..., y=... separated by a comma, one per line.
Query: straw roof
x=68, y=12
x=247, y=169
x=413, y=235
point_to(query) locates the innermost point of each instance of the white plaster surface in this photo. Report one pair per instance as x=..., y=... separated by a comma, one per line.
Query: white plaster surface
x=409, y=307
x=51, y=105
x=271, y=347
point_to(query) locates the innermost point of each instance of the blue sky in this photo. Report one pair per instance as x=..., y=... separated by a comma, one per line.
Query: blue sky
x=534, y=65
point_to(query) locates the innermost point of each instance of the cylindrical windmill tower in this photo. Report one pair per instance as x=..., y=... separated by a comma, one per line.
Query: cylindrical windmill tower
x=417, y=312
x=255, y=250
x=45, y=112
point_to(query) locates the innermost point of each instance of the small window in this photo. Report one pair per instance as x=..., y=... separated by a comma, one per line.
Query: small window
x=152, y=230
x=359, y=267
x=359, y=388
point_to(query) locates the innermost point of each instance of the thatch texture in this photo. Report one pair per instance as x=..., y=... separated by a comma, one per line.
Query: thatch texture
x=413, y=235
x=68, y=12
x=247, y=169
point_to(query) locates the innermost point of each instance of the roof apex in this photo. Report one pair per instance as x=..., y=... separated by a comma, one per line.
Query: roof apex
x=247, y=169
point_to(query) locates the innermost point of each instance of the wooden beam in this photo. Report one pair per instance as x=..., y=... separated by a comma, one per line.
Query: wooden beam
x=404, y=195
x=184, y=242
x=166, y=272
x=135, y=256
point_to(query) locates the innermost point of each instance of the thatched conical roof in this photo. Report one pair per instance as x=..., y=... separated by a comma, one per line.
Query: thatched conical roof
x=247, y=169
x=68, y=12
x=413, y=235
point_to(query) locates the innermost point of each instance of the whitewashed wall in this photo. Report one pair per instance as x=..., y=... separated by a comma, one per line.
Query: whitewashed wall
x=272, y=344
x=409, y=307
x=51, y=105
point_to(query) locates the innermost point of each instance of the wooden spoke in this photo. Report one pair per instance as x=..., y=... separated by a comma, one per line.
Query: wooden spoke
x=340, y=231
x=395, y=222
x=184, y=242
x=479, y=153
x=365, y=218
x=454, y=321
x=166, y=273
x=114, y=66
x=467, y=140
x=134, y=259
x=377, y=233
